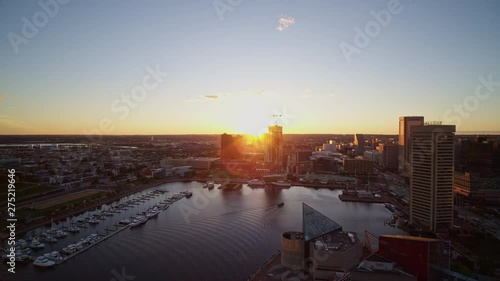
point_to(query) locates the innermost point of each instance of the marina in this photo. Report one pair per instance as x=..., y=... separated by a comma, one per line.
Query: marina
x=27, y=248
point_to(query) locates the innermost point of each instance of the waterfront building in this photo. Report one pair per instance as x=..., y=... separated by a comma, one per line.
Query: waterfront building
x=274, y=149
x=405, y=124
x=431, y=181
x=419, y=256
x=322, y=248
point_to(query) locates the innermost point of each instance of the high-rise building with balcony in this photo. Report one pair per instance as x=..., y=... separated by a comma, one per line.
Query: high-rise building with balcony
x=431, y=181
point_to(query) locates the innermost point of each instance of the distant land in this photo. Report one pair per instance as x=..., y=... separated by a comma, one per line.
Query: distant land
x=38, y=139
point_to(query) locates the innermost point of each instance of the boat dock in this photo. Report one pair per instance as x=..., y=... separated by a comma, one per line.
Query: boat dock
x=120, y=229
x=354, y=198
x=231, y=186
x=98, y=238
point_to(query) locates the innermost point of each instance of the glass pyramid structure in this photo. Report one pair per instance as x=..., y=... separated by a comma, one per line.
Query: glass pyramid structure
x=315, y=224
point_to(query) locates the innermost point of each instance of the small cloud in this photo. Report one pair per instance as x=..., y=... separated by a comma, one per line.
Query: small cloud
x=285, y=22
x=211, y=96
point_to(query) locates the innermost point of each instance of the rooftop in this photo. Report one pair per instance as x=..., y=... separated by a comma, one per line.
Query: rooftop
x=336, y=241
x=414, y=238
x=316, y=224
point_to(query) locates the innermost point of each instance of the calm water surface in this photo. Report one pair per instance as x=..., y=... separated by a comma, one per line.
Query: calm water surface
x=213, y=235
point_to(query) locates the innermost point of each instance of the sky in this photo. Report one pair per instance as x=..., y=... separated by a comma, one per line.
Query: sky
x=236, y=66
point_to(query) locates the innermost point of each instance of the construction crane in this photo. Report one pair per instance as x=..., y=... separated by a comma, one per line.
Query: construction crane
x=275, y=119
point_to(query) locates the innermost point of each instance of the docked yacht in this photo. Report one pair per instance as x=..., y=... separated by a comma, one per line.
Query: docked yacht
x=281, y=183
x=54, y=256
x=138, y=221
x=187, y=194
x=35, y=244
x=256, y=183
x=73, y=229
x=153, y=213
x=70, y=249
x=20, y=256
x=43, y=261
x=209, y=184
x=124, y=222
x=93, y=221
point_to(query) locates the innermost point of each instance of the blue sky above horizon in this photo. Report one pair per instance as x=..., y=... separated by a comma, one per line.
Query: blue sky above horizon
x=231, y=73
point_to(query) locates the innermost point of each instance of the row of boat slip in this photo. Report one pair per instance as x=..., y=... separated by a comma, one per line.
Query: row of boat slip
x=94, y=217
x=24, y=247
x=54, y=257
x=152, y=212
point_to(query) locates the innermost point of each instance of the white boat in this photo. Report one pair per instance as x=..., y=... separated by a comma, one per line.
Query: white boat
x=256, y=182
x=73, y=229
x=124, y=222
x=143, y=220
x=139, y=220
x=54, y=256
x=134, y=223
x=35, y=244
x=153, y=213
x=48, y=239
x=70, y=249
x=60, y=234
x=281, y=184
x=43, y=261
x=93, y=221
x=187, y=194
x=20, y=256
x=209, y=184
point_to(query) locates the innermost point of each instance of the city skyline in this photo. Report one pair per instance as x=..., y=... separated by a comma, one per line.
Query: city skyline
x=200, y=68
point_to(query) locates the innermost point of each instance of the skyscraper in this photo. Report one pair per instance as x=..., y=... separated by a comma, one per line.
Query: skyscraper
x=431, y=181
x=390, y=155
x=405, y=124
x=359, y=142
x=230, y=146
x=274, y=151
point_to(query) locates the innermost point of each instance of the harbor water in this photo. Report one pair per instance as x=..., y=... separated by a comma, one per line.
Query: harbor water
x=214, y=235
